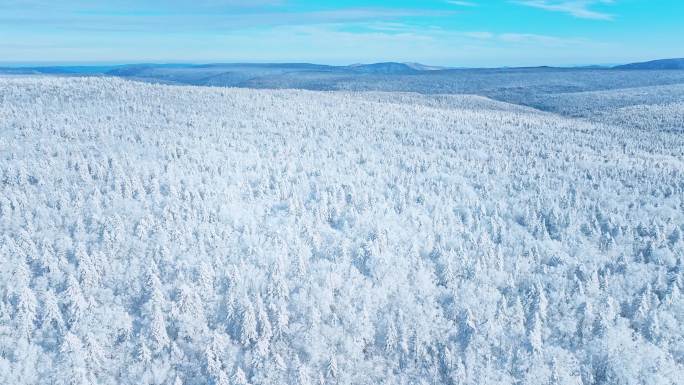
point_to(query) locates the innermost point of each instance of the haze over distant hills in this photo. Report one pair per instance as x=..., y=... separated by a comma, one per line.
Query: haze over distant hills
x=528, y=86
x=145, y=69
x=161, y=71
x=664, y=64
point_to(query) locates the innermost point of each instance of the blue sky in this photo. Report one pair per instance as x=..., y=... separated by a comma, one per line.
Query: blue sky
x=440, y=32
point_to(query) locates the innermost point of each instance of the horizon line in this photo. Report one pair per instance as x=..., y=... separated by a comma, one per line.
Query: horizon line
x=66, y=64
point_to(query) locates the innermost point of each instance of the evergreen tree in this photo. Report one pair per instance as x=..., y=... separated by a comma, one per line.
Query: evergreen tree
x=239, y=378
x=76, y=304
x=332, y=367
x=25, y=315
x=72, y=370
x=52, y=315
x=248, y=329
x=157, y=331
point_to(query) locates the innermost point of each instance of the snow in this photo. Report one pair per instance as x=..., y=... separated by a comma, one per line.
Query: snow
x=157, y=234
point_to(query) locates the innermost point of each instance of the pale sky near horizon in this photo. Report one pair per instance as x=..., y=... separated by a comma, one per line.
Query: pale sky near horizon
x=439, y=32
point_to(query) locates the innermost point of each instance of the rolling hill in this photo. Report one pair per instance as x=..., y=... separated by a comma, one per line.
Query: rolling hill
x=663, y=64
x=155, y=234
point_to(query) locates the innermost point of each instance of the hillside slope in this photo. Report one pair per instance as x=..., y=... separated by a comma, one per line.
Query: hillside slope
x=662, y=64
x=182, y=235
x=649, y=108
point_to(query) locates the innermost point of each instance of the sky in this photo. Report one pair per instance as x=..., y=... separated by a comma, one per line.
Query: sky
x=468, y=33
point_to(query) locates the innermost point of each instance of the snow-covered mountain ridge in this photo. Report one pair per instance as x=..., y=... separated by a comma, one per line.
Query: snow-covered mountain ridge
x=154, y=234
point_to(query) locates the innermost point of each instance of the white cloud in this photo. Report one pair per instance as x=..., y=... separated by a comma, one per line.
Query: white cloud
x=577, y=8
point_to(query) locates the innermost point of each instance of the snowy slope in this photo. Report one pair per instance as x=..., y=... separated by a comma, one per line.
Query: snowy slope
x=652, y=108
x=181, y=235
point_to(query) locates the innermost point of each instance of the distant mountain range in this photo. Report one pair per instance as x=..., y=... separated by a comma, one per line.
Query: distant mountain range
x=529, y=86
x=243, y=71
x=664, y=64
x=392, y=68
x=142, y=70
x=508, y=84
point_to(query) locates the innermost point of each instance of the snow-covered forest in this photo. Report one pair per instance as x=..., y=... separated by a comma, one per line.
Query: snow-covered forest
x=155, y=234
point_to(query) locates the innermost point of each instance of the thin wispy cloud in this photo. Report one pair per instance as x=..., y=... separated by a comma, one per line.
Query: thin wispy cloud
x=544, y=40
x=582, y=9
x=208, y=22
x=133, y=4
x=462, y=3
x=447, y=32
x=479, y=35
x=524, y=38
